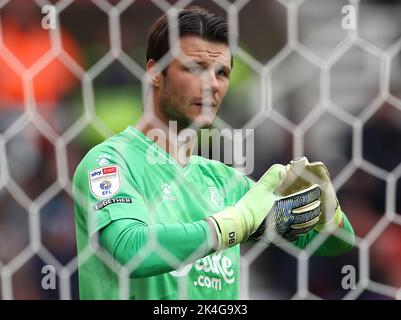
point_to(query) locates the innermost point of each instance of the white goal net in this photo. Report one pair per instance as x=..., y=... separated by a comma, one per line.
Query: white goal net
x=310, y=77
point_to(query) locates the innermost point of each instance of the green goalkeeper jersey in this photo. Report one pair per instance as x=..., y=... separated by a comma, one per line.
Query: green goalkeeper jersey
x=130, y=176
x=127, y=188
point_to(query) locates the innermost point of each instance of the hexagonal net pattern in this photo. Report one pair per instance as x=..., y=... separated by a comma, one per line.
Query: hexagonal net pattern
x=314, y=78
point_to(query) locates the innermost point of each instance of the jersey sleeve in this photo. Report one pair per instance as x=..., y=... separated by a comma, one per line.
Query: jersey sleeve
x=239, y=182
x=104, y=190
x=126, y=238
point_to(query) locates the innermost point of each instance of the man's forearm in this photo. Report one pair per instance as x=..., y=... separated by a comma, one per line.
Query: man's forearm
x=125, y=239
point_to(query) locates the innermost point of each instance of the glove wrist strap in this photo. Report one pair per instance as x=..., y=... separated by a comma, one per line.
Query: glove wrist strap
x=332, y=224
x=228, y=227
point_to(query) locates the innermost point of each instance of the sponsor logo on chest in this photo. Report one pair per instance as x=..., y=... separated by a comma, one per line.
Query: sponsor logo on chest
x=212, y=271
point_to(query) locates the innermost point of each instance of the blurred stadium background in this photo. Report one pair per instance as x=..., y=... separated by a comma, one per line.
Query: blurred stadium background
x=306, y=86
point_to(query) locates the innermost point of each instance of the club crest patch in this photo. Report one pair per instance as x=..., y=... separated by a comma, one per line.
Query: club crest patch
x=105, y=181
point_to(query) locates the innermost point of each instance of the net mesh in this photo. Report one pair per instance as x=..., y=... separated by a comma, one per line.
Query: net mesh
x=302, y=82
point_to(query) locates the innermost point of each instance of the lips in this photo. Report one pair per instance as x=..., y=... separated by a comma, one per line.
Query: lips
x=210, y=104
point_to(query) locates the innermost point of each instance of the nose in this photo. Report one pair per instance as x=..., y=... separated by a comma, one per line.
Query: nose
x=211, y=83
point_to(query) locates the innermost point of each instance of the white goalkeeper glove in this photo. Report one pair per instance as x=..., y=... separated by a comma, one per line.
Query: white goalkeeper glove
x=261, y=211
x=301, y=174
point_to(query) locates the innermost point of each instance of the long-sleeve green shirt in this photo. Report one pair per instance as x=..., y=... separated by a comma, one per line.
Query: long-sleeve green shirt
x=125, y=239
x=149, y=214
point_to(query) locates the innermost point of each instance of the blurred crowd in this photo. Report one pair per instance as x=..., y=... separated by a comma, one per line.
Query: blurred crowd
x=57, y=101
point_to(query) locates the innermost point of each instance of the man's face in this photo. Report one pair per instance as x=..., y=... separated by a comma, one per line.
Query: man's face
x=195, y=84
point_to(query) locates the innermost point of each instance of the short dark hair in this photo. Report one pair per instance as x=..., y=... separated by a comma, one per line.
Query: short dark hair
x=193, y=20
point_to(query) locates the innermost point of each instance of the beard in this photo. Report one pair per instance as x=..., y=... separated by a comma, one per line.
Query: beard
x=170, y=112
x=176, y=108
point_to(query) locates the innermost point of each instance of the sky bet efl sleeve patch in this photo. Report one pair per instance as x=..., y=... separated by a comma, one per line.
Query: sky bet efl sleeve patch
x=105, y=181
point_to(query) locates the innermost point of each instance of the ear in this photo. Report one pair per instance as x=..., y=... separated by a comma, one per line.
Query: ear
x=154, y=72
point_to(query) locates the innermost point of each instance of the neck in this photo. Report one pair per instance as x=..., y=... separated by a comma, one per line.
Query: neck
x=178, y=143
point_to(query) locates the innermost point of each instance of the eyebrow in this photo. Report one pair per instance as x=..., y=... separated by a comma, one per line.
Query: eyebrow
x=205, y=65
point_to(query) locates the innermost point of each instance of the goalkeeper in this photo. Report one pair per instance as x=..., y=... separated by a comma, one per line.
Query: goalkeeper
x=197, y=211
